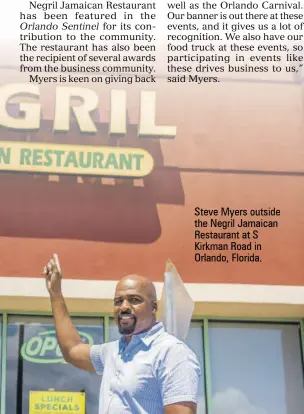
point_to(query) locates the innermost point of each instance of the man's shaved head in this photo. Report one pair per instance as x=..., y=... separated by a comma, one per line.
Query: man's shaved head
x=142, y=284
x=135, y=305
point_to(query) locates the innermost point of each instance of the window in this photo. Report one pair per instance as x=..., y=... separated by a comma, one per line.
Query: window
x=195, y=342
x=34, y=362
x=256, y=368
x=114, y=334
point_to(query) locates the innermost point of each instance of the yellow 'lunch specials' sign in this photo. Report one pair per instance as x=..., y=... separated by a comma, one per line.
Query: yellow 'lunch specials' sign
x=56, y=402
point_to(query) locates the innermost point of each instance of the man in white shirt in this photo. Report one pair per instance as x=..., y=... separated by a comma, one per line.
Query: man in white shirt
x=147, y=371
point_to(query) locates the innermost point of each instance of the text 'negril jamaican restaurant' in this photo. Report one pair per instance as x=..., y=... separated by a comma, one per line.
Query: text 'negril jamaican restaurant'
x=116, y=180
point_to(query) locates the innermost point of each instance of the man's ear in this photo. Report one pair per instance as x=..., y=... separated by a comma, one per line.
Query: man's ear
x=155, y=306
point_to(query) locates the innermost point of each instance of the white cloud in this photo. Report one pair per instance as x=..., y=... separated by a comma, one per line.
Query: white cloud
x=233, y=401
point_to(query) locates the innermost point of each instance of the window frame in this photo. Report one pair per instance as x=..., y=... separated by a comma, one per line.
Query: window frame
x=205, y=320
x=4, y=315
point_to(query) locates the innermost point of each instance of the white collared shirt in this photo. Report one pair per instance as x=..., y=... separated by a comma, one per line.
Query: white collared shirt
x=155, y=369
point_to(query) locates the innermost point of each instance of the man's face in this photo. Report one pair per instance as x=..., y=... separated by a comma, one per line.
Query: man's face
x=134, y=308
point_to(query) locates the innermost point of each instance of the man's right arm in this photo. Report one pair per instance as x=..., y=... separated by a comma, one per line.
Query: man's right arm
x=74, y=351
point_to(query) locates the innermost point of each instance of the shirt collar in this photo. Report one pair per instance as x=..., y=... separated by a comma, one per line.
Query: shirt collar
x=148, y=337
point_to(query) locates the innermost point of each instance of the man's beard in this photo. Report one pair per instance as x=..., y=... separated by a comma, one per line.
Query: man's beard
x=126, y=330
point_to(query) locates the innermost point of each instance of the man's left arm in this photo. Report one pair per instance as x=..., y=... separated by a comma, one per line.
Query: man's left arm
x=178, y=373
x=180, y=408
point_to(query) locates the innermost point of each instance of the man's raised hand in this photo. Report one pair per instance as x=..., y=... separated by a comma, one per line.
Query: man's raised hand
x=53, y=275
